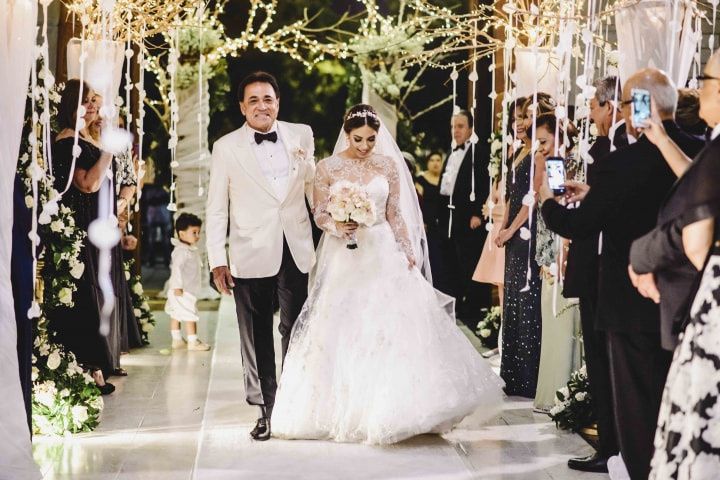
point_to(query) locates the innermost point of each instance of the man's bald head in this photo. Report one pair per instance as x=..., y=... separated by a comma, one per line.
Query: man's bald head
x=662, y=90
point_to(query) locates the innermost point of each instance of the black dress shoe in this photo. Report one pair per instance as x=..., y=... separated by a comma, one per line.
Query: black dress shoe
x=106, y=389
x=261, y=432
x=592, y=463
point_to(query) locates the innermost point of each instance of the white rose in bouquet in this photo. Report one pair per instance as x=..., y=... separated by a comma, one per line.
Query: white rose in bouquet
x=57, y=226
x=77, y=269
x=127, y=275
x=137, y=288
x=148, y=327
x=65, y=295
x=34, y=374
x=137, y=312
x=80, y=414
x=580, y=396
x=53, y=360
x=29, y=201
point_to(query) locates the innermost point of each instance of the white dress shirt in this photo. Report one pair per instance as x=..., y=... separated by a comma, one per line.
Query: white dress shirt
x=447, y=184
x=274, y=162
x=715, y=132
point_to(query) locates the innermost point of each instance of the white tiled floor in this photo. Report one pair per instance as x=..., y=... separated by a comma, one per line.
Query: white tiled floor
x=183, y=416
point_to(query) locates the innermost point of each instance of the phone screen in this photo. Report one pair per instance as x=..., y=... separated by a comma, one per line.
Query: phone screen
x=640, y=106
x=555, y=168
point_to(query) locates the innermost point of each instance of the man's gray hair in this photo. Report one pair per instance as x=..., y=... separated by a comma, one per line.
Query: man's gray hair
x=605, y=90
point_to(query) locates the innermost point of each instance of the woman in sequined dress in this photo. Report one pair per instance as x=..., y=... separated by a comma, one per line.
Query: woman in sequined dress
x=521, y=309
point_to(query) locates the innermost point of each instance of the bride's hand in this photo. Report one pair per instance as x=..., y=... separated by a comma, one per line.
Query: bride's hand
x=346, y=229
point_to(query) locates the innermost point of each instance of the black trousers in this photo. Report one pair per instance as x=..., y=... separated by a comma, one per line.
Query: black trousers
x=638, y=370
x=471, y=296
x=255, y=301
x=598, y=368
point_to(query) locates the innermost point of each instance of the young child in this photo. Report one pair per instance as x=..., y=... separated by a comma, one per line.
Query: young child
x=185, y=283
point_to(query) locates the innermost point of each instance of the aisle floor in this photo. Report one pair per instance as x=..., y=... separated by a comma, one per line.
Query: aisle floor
x=182, y=415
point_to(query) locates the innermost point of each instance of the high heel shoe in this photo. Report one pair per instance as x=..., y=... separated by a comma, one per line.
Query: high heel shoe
x=106, y=388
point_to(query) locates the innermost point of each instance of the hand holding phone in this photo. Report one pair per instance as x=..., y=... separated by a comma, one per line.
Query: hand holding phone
x=555, y=169
x=640, y=107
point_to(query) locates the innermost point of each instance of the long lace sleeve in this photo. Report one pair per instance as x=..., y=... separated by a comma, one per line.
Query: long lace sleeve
x=394, y=217
x=321, y=196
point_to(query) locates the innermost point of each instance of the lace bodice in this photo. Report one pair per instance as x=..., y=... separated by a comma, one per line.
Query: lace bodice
x=380, y=178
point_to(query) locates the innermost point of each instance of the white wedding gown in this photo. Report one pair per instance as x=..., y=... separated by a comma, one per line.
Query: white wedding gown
x=375, y=357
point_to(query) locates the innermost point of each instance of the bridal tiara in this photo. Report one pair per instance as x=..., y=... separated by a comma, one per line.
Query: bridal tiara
x=362, y=113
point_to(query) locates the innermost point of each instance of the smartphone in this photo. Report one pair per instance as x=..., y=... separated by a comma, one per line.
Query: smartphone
x=640, y=106
x=555, y=168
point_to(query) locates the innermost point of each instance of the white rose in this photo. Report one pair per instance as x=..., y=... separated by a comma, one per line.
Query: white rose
x=495, y=146
x=137, y=288
x=35, y=373
x=137, y=312
x=80, y=414
x=65, y=296
x=127, y=275
x=145, y=306
x=97, y=403
x=53, y=360
x=29, y=202
x=64, y=392
x=77, y=270
x=44, y=349
x=57, y=226
x=148, y=327
x=485, y=332
x=580, y=396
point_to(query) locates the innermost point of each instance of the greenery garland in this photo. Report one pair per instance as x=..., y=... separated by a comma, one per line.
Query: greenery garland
x=65, y=398
x=140, y=303
x=488, y=330
x=574, y=408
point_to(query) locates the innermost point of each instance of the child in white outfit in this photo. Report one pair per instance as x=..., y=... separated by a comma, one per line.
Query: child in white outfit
x=185, y=283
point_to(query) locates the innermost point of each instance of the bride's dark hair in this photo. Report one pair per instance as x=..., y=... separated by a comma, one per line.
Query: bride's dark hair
x=360, y=115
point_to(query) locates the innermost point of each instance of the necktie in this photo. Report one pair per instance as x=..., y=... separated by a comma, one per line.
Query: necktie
x=261, y=137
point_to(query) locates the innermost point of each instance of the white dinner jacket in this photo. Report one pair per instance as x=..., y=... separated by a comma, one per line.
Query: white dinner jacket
x=240, y=194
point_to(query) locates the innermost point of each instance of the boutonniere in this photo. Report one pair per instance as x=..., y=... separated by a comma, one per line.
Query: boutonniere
x=299, y=154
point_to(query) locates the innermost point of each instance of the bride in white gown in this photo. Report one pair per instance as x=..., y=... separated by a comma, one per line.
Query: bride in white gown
x=375, y=357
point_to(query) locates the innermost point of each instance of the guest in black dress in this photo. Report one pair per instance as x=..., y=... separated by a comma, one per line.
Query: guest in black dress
x=522, y=319
x=77, y=327
x=428, y=188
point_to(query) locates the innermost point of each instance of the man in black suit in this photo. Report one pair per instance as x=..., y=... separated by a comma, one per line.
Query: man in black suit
x=464, y=187
x=660, y=255
x=623, y=203
x=581, y=281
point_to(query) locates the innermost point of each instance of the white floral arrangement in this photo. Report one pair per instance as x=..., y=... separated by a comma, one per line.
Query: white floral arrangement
x=350, y=202
x=488, y=329
x=65, y=398
x=141, y=307
x=377, y=53
x=573, y=409
x=496, y=155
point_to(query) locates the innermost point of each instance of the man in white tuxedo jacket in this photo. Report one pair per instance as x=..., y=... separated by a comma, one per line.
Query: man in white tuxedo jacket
x=260, y=176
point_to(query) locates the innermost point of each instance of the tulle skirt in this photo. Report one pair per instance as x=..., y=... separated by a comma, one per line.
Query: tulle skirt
x=375, y=356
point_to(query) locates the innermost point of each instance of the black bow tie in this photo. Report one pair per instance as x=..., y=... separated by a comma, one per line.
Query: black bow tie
x=459, y=147
x=261, y=137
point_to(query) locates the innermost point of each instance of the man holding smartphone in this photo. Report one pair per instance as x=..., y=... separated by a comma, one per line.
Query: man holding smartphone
x=629, y=187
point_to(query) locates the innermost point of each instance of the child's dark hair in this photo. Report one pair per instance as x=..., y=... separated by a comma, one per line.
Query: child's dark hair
x=361, y=115
x=185, y=221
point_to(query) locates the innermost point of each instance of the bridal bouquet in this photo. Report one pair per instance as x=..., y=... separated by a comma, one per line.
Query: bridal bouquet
x=351, y=202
